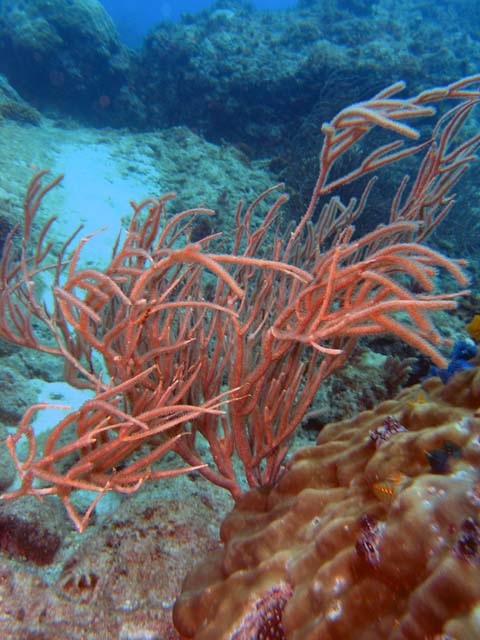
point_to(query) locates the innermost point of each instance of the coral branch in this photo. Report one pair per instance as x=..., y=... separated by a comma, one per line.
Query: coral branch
x=180, y=341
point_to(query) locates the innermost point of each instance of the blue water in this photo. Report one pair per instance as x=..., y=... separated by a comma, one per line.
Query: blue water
x=134, y=18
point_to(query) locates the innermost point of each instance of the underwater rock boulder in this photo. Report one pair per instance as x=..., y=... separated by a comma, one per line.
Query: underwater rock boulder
x=235, y=73
x=62, y=54
x=29, y=532
x=364, y=536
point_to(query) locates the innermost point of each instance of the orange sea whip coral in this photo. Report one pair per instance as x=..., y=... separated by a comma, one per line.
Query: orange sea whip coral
x=231, y=346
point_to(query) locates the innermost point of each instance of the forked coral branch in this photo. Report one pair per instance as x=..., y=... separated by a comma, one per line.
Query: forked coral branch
x=181, y=342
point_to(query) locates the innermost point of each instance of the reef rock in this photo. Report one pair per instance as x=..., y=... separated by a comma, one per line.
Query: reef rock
x=63, y=54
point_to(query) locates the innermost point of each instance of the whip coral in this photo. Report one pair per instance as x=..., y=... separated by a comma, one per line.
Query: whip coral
x=185, y=342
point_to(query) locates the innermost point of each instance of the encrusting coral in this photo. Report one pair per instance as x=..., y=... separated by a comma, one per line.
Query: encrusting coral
x=372, y=533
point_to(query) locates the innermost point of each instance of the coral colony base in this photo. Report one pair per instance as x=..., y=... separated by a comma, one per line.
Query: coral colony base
x=363, y=537
x=185, y=343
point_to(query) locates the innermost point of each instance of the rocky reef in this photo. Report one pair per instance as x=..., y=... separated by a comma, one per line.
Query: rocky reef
x=63, y=55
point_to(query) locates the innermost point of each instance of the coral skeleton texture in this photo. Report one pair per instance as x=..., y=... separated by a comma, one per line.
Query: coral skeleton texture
x=361, y=565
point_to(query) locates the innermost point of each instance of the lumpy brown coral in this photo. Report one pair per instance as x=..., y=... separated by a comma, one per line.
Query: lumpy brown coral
x=364, y=536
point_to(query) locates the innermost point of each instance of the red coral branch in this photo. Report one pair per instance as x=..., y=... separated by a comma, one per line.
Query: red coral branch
x=179, y=341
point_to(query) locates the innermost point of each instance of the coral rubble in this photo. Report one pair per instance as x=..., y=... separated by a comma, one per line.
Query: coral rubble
x=362, y=537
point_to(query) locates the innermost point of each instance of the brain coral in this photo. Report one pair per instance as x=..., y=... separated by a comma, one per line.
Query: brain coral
x=374, y=533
